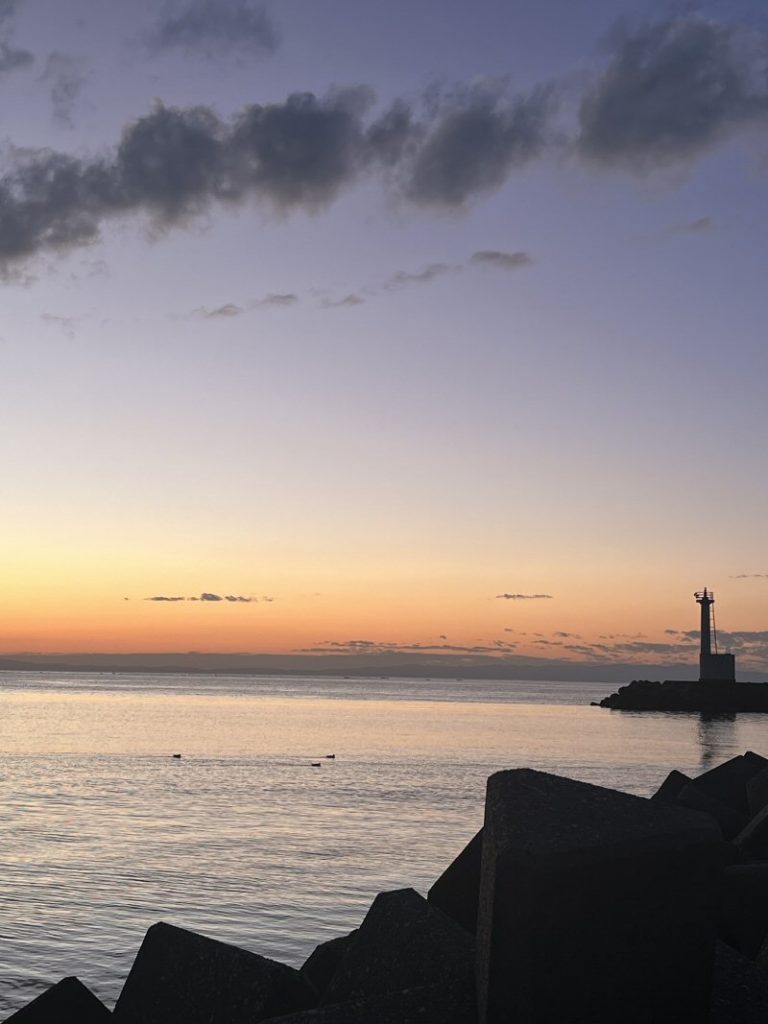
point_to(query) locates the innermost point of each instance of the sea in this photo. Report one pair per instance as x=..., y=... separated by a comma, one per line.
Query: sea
x=293, y=802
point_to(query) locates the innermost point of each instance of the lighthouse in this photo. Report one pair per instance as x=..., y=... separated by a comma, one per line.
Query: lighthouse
x=713, y=666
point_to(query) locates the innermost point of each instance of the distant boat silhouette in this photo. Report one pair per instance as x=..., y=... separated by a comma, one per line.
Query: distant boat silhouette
x=330, y=757
x=315, y=764
x=177, y=756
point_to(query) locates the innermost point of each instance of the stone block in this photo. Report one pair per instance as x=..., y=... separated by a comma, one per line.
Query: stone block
x=743, y=919
x=180, y=977
x=752, y=841
x=739, y=989
x=595, y=906
x=430, y=1004
x=671, y=786
x=457, y=890
x=728, y=781
x=694, y=799
x=757, y=792
x=321, y=965
x=67, y=1002
x=679, y=789
x=403, y=942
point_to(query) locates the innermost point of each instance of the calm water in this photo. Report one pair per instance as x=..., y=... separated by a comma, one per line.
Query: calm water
x=104, y=833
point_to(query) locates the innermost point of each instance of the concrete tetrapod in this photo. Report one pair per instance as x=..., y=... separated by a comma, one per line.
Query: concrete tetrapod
x=595, y=906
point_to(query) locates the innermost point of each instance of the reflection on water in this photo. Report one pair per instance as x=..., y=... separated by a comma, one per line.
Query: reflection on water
x=105, y=833
x=717, y=731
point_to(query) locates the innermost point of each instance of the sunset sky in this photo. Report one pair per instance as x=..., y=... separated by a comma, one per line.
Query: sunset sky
x=427, y=326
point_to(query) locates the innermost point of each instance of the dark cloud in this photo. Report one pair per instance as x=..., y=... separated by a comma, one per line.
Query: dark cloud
x=524, y=597
x=403, y=277
x=394, y=136
x=474, y=142
x=691, y=227
x=210, y=597
x=162, y=597
x=750, y=576
x=672, y=90
x=502, y=260
x=66, y=76
x=210, y=27
x=171, y=164
x=239, y=599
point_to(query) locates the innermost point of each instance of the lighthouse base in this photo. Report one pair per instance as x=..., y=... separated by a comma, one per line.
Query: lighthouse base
x=717, y=668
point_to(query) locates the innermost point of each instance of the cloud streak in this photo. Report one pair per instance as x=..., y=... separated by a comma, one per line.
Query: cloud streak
x=210, y=598
x=501, y=260
x=524, y=597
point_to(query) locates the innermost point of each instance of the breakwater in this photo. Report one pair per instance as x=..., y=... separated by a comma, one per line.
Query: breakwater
x=573, y=903
x=672, y=695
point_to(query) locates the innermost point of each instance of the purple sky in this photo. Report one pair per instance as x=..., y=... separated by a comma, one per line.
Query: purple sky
x=481, y=309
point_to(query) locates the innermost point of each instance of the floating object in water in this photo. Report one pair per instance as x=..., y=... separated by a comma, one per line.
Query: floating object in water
x=315, y=764
x=177, y=756
x=330, y=757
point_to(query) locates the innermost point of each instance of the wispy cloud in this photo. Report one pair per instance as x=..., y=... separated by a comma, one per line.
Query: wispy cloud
x=524, y=597
x=12, y=58
x=65, y=76
x=229, y=309
x=275, y=299
x=349, y=300
x=210, y=27
x=402, y=278
x=750, y=576
x=691, y=227
x=501, y=260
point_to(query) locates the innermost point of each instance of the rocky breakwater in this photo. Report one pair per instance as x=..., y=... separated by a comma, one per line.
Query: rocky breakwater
x=672, y=695
x=574, y=903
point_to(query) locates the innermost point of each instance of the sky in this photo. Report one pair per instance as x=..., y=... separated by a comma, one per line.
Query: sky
x=429, y=328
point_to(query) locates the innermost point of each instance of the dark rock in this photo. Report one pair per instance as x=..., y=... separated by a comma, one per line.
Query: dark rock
x=743, y=920
x=403, y=942
x=728, y=781
x=739, y=989
x=180, y=977
x=595, y=906
x=757, y=792
x=321, y=965
x=671, y=786
x=457, y=890
x=68, y=1002
x=679, y=789
x=430, y=1004
x=729, y=820
x=752, y=841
